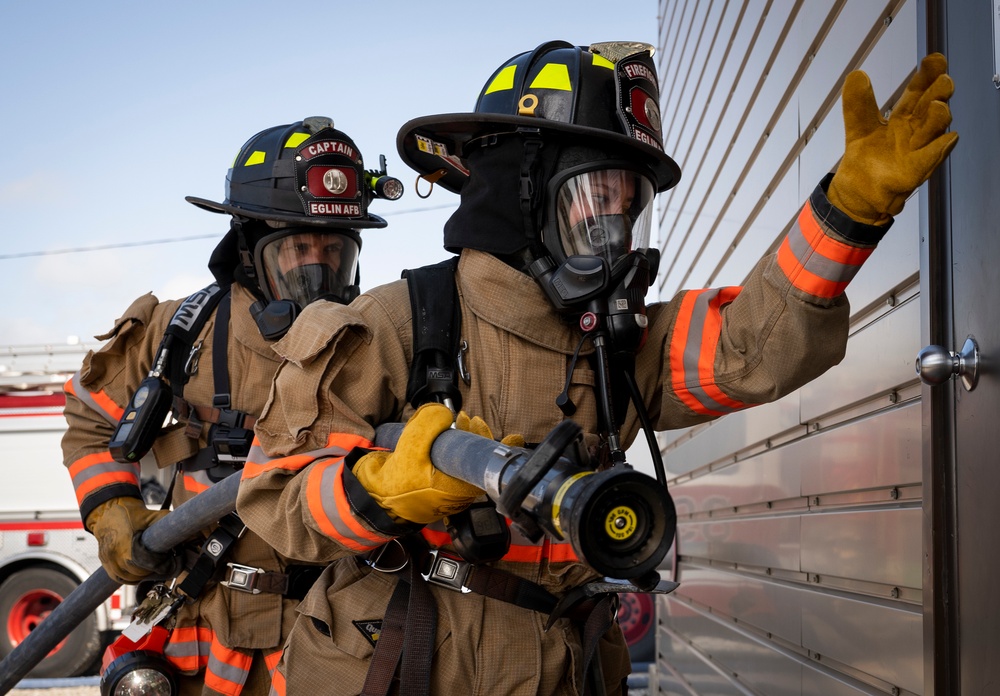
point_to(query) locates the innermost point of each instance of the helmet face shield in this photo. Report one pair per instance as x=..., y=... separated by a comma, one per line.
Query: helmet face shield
x=601, y=212
x=303, y=265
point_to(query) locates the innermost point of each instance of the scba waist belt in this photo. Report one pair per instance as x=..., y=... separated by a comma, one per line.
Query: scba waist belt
x=294, y=583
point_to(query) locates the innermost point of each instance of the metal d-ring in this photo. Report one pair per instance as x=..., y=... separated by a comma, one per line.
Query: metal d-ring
x=375, y=561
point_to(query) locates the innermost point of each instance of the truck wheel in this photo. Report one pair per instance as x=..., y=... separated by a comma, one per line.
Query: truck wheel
x=27, y=597
x=635, y=616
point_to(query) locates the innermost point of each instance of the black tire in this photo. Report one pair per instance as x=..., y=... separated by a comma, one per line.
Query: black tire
x=26, y=597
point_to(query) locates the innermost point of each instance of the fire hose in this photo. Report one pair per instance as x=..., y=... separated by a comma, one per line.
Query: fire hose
x=166, y=533
x=618, y=521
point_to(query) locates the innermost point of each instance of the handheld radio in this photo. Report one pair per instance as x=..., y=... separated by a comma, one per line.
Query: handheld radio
x=143, y=417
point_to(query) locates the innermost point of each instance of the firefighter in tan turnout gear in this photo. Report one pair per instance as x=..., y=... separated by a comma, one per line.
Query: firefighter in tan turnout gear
x=557, y=168
x=298, y=195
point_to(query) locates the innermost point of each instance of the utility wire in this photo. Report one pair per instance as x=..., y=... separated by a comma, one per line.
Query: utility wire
x=152, y=242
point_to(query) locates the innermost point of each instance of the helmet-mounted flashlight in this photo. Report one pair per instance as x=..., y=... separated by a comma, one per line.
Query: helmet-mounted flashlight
x=383, y=185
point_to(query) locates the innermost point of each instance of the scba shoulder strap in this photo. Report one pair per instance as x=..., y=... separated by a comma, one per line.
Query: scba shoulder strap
x=478, y=533
x=142, y=418
x=184, y=329
x=437, y=324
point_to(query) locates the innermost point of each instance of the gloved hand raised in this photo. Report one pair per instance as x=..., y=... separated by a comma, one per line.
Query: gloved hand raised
x=885, y=161
x=117, y=524
x=405, y=482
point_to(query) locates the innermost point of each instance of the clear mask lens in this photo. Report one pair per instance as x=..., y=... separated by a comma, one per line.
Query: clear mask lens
x=306, y=266
x=606, y=213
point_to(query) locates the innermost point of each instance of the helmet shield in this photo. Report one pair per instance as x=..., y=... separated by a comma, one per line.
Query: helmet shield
x=304, y=264
x=601, y=212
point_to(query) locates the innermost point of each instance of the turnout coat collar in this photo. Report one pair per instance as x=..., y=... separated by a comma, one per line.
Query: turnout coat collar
x=510, y=300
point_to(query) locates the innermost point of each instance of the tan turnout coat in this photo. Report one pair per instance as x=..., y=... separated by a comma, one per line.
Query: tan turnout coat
x=708, y=352
x=237, y=623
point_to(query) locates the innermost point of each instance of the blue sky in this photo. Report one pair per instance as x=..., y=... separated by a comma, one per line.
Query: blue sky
x=114, y=111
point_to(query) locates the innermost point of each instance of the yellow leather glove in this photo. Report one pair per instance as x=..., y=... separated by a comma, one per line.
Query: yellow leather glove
x=477, y=426
x=885, y=161
x=405, y=482
x=115, y=524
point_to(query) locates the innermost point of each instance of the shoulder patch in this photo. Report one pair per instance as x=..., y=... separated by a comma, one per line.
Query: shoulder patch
x=371, y=629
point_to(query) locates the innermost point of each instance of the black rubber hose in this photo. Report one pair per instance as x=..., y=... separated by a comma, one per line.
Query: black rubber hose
x=457, y=453
x=180, y=525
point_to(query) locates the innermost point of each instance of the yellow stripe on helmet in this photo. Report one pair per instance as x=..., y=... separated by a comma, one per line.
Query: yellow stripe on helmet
x=552, y=76
x=603, y=62
x=503, y=81
x=296, y=139
x=256, y=157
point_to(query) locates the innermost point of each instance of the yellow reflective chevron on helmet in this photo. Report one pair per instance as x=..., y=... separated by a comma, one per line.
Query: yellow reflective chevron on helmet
x=296, y=139
x=603, y=62
x=552, y=76
x=256, y=157
x=503, y=81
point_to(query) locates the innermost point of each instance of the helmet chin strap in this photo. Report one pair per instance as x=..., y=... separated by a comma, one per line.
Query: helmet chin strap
x=246, y=258
x=531, y=186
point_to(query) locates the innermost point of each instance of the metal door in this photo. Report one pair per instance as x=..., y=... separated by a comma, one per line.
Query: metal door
x=960, y=294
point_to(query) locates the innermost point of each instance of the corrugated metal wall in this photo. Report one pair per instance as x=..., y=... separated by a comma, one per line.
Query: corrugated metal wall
x=799, y=539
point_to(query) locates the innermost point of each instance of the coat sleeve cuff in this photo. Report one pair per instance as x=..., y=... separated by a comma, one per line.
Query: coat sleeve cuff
x=102, y=495
x=364, y=506
x=839, y=221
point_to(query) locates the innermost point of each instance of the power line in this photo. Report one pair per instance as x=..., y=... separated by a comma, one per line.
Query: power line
x=103, y=247
x=175, y=240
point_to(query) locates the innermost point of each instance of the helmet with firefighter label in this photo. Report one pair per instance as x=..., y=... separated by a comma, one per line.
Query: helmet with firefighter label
x=605, y=95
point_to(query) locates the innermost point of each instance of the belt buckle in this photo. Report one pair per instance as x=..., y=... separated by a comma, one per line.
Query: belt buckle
x=447, y=571
x=242, y=578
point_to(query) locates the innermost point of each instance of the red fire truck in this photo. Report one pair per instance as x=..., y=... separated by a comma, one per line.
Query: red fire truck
x=44, y=550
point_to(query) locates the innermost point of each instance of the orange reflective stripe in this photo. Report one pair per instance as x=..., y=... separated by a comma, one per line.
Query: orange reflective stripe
x=68, y=387
x=328, y=504
x=104, y=480
x=437, y=539
x=562, y=553
x=709, y=342
x=806, y=281
x=188, y=647
x=816, y=263
x=337, y=445
x=277, y=683
x=99, y=469
x=105, y=402
x=295, y=462
x=517, y=553
x=682, y=326
x=523, y=553
x=89, y=460
x=271, y=659
x=227, y=669
x=693, y=347
x=192, y=485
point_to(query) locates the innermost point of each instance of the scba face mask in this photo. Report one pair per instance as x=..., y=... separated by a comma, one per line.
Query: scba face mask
x=605, y=213
x=596, y=237
x=305, y=265
x=297, y=266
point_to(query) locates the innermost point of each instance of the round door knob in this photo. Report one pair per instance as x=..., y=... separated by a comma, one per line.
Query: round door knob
x=937, y=364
